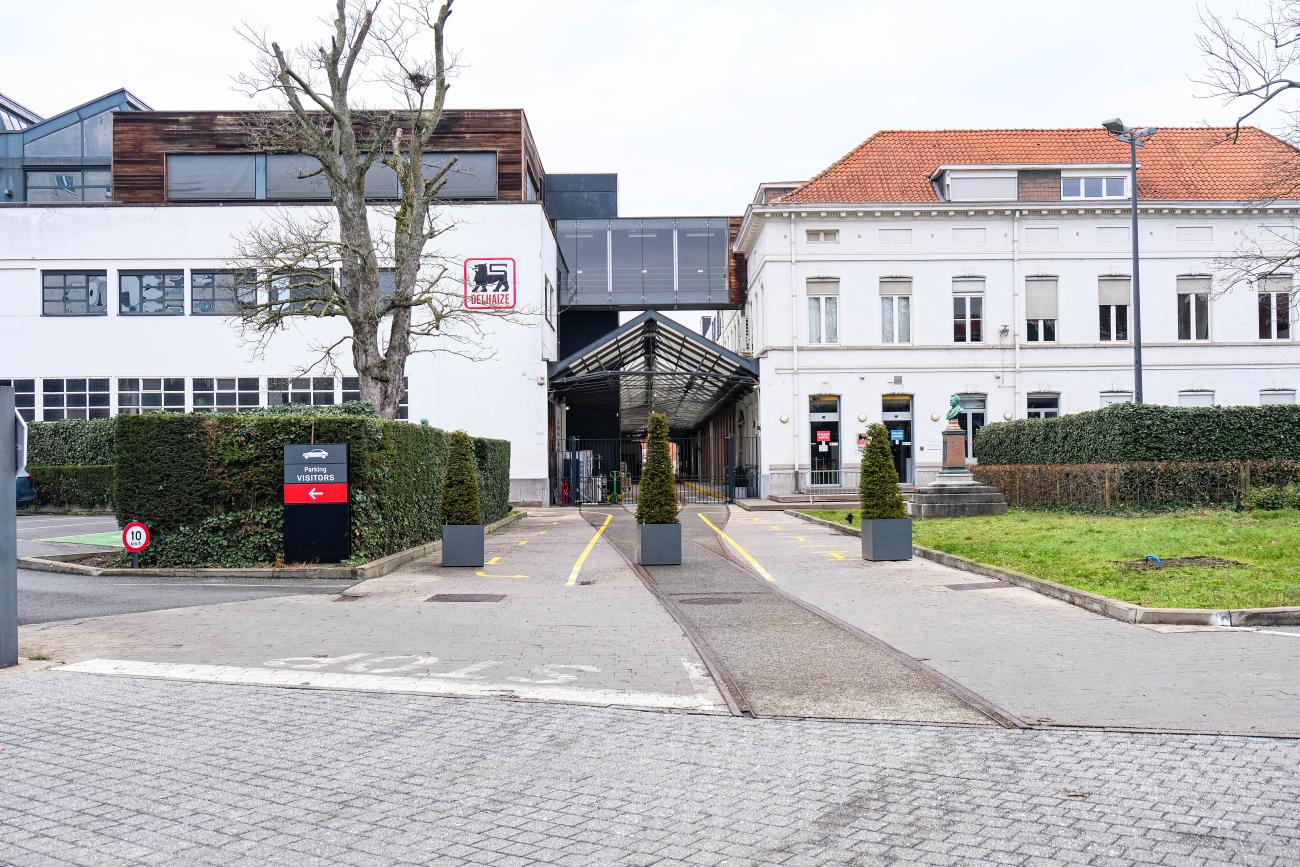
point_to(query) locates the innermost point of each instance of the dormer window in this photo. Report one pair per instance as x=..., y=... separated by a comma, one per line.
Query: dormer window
x=979, y=186
x=1094, y=187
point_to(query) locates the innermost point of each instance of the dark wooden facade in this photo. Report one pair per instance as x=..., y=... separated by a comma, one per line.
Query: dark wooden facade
x=737, y=267
x=142, y=140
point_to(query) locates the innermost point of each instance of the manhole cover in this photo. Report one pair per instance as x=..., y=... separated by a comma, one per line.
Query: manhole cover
x=467, y=597
x=711, y=600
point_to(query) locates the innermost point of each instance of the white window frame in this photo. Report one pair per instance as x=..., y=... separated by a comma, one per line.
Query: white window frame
x=1084, y=178
x=821, y=319
x=889, y=307
x=822, y=236
x=966, y=295
x=1042, y=412
x=1264, y=289
x=1277, y=392
x=1187, y=393
x=1194, y=320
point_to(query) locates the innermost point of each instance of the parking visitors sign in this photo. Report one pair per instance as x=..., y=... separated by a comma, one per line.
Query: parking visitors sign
x=317, y=516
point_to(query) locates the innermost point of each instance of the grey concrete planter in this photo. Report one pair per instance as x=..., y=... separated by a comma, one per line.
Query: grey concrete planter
x=887, y=539
x=462, y=544
x=660, y=545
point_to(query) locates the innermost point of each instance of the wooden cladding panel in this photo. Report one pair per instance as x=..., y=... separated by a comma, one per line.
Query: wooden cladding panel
x=737, y=266
x=141, y=141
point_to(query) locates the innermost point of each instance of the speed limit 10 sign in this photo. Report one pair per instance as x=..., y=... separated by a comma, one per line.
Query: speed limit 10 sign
x=135, y=537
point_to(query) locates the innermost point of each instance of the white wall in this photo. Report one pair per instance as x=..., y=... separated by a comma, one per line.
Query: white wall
x=504, y=396
x=1234, y=363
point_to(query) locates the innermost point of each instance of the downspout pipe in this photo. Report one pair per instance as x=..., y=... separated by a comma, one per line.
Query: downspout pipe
x=1015, y=305
x=794, y=347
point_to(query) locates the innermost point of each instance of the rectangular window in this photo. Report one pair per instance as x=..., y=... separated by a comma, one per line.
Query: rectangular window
x=823, y=311
x=74, y=398
x=159, y=394
x=308, y=291
x=973, y=416
x=69, y=185
x=1196, y=398
x=1094, y=188
x=1108, y=398
x=1040, y=309
x=24, y=396
x=74, y=293
x=313, y=390
x=1043, y=405
x=823, y=236
x=211, y=177
x=222, y=293
x=1193, y=308
x=154, y=293
x=352, y=394
x=226, y=394
x=968, y=310
x=1272, y=396
x=1112, y=308
x=896, y=310
x=1275, y=307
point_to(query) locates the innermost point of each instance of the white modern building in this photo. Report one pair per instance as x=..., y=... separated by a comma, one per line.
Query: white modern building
x=995, y=264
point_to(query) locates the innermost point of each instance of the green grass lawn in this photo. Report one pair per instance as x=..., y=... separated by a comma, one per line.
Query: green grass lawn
x=1090, y=552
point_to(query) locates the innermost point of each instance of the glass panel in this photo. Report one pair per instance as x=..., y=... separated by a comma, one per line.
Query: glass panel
x=1283, y=315
x=1070, y=187
x=1184, y=316
x=814, y=320
x=959, y=319
x=53, y=194
x=97, y=135
x=976, y=312
x=1121, y=322
x=831, y=306
x=211, y=177
x=584, y=245
x=1104, y=316
x=701, y=258
x=64, y=143
x=1049, y=330
x=474, y=176
x=904, y=319
x=1265, y=308
x=1031, y=330
x=1202, y=316
x=284, y=177
x=886, y=319
x=1092, y=188
x=1114, y=187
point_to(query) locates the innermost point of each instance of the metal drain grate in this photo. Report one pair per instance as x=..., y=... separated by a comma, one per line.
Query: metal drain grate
x=466, y=597
x=981, y=585
x=711, y=600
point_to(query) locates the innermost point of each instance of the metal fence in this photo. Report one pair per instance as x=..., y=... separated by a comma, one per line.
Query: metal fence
x=608, y=471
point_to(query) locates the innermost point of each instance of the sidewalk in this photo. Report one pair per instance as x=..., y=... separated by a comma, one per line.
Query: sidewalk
x=603, y=642
x=1045, y=661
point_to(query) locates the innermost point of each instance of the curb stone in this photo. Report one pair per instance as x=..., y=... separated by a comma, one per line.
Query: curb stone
x=1126, y=612
x=373, y=569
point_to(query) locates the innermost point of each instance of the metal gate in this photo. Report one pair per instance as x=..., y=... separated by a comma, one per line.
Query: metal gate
x=607, y=471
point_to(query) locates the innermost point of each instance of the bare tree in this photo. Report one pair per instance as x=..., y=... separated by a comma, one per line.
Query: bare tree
x=325, y=263
x=1253, y=65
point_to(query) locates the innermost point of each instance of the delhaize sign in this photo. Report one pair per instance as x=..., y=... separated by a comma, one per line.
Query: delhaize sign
x=490, y=284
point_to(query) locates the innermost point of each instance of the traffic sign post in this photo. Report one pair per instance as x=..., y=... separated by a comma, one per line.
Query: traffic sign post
x=317, y=510
x=135, y=538
x=9, y=468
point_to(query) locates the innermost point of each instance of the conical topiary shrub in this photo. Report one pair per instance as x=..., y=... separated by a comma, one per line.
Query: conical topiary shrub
x=878, y=493
x=657, y=497
x=460, y=498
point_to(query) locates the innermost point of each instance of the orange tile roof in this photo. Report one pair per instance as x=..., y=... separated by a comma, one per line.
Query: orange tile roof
x=1181, y=163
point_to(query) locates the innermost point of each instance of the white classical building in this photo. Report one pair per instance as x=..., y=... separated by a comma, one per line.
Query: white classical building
x=996, y=265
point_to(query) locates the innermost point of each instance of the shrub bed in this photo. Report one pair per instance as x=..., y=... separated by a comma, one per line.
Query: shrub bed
x=69, y=443
x=1140, y=484
x=209, y=486
x=1148, y=433
x=87, y=487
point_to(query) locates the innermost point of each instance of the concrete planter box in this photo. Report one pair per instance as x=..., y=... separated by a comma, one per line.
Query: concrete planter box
x=887, y=539
x=462, y=544
x=660, y=545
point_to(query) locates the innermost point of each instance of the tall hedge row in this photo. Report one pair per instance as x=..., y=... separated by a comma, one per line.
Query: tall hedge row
x=210, y=485
x=72, y=442
x=77, y=487
x=1127, y=432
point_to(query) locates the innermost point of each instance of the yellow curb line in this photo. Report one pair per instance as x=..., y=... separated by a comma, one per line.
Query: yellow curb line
x=582, y=558
x=767, y=576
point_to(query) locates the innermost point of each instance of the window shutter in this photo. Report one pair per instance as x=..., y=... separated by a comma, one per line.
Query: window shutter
x=1276, y=283
x=1112, y=290
x=966, y=285
x=1040, y=298
x=823, y=286
x=895, y=285
x=1193, y=284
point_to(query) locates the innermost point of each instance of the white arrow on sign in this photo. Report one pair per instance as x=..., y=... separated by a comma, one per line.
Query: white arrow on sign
x=313, y=493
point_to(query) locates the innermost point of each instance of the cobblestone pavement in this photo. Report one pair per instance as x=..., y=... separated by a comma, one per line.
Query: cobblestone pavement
x=1043, y=660
x=605, y=641
x=109, y=771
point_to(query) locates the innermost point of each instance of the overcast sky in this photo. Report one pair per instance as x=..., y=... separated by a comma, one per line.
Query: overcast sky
x=691, y=102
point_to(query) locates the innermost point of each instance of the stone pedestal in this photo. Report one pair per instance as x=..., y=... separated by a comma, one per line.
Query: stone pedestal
x=954, y=493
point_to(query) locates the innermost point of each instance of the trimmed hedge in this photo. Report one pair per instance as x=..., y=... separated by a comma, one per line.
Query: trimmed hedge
x=461, y=504
x=878, y=494
x=1270, y=498
x=492, y=457
x=209, y=485
x=70, y=443
x=1139, y=484
x=656, y=501
x=1127, y=432
x=88, y=487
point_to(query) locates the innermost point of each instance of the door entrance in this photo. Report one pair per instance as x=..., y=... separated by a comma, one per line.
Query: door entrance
x=896, y=413
x=824, y=439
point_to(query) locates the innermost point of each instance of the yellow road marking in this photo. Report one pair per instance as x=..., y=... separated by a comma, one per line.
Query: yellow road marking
x=523, y=541
x=801, y=538
x=486, y=575
x=582, y=558
x=776, y=527
x=767, y=576
x=836, y=555
x=714, y=494
x=541, y=532
x=494, y=561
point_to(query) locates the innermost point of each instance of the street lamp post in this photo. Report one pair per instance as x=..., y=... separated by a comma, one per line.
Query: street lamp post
x=1134, y=138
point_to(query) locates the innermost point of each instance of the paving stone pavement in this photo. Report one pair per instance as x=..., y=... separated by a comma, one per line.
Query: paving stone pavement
x=109, y=771
x=604, y=642
x=1043, y=660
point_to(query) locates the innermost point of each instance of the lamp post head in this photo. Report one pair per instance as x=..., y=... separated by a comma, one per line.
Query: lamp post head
x=1114, y=126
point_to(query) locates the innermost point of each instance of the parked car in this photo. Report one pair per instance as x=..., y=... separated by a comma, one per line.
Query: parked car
x=26, y=490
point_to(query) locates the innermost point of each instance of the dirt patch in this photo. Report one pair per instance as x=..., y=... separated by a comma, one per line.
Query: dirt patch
x=109, y=560
x=1175, y=562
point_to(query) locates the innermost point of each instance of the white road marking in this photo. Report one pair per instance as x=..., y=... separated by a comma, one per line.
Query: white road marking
x=428, y=685
x=102, y=522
